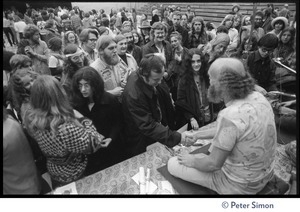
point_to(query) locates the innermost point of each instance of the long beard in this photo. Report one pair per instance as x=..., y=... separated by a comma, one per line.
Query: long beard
x=214, y=95
x=130, y=46
x=110, y=60
x=257, y=25
x=216, y=54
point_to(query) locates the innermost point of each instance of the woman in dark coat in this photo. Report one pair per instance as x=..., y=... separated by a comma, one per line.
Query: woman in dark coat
x=192, y=102
x=104, y=110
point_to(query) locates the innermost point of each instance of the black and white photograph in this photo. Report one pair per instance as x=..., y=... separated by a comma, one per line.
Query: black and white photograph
x=150, y=99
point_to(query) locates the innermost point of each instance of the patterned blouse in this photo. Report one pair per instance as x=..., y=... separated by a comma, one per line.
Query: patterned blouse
x=66, y=150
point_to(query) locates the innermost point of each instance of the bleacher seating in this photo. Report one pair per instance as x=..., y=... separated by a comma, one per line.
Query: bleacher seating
x=215, y=11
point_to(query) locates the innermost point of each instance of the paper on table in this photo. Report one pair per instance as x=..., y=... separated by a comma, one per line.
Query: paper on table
x=67, y=189
x=153, y=187
x=165, y=187
x=148, y=181
x=142, y=181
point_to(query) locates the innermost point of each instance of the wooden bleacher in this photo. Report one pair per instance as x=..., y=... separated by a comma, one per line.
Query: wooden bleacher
x=214, y=11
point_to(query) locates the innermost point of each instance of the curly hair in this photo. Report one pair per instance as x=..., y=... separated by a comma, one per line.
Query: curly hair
x=17, y=94
x=236, y=86
x=94, y=79
x=21, y=46
x=189, y=75
x=30, y=30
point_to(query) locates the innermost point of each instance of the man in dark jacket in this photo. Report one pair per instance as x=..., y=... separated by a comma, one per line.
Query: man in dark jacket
x=158, y=44
x=261, y=67
x=147, y=108
x=198, y=34
x=132, y=49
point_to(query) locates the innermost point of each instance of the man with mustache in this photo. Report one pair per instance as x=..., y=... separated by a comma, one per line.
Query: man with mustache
x=258, y=32
x=132, y=49
x=198, y=34
x=107, y=65
x=233, y=166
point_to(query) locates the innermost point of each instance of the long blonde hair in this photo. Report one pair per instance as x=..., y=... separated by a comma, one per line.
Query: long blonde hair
x=49, y=106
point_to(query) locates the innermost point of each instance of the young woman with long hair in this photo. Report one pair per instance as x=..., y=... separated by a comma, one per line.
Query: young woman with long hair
x=192, y=99
x=285, y=52
x=63, y=134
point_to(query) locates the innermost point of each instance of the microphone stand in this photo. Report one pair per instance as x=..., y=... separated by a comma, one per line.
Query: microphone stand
x=277, y=61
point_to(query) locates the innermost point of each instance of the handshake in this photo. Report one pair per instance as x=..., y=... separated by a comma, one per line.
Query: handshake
x=188, y=138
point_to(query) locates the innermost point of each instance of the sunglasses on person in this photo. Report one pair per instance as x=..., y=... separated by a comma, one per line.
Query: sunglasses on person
x=267, y=51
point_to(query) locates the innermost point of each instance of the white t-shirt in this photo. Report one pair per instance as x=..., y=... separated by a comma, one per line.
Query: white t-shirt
x=247, y=129
x=54, y=62
x=20, y=26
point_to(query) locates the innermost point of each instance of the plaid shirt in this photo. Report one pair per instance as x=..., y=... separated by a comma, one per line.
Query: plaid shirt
x=65, y=151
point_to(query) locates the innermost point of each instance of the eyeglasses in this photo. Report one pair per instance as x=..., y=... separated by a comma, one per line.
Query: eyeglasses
x=266, y=51
x=93, y=40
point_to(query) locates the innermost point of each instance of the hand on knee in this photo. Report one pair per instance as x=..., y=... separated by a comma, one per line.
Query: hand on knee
x=173, y=165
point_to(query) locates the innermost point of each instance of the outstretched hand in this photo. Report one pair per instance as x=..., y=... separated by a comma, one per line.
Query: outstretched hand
x=105, y=142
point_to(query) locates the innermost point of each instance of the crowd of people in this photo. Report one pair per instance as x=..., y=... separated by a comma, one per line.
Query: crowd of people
x=87, y=90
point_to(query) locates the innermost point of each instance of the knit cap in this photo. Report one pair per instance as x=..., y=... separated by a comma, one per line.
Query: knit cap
x=268, y=41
